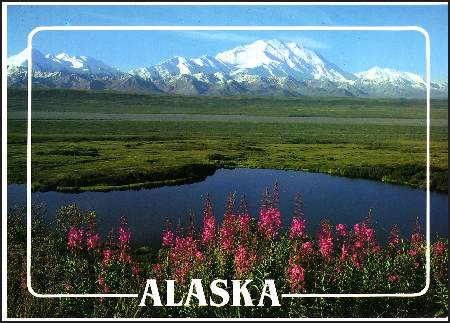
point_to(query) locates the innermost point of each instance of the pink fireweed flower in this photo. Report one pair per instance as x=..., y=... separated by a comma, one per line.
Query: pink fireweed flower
x=209, y=230
x=297, y=278
x=412, y=253
x=341, y=230
x=183, y=256
x=355, y=260
x=104, y=287
x=416, y=241
x=416, y=237
x=244, y=224
x=325, y=240
x=392, y=278
x=226, y=234
x=298, y=227
x=124, y=257
x=439, y=248
x=307, y=248
x=168, y=238
x=209, y=223
x=394, y=237
x=344, y=252
x=241, y=261
x=124, y=236
x=359, y=245
x=363, y=233
x=135, y=271
x=107, y=256
x=182, y=271
x=369, y=235
x=269, y=222
x=92, y=240
x=75, y=238
x=376, y=249
x=357, y=229
x=199, y=255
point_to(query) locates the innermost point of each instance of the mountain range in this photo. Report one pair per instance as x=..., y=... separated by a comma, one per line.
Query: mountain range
x=268, y=67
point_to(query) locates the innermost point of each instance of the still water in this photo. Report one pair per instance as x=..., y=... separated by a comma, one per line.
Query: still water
x=339, y=199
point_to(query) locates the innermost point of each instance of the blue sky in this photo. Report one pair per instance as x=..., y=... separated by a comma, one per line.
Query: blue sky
x=352, y=51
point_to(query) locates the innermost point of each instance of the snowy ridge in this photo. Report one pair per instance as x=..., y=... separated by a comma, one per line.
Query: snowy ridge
x=269, y=67
x=62, y=63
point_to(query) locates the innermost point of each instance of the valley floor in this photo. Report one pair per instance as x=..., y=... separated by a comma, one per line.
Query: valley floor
x=82, y=141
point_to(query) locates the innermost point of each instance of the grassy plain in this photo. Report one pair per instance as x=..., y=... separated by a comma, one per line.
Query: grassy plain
x=69, y=154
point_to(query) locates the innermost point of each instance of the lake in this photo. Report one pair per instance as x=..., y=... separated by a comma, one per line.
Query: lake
x=340, y=199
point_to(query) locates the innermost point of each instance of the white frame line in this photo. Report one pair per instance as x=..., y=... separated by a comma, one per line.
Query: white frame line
x=235, y=28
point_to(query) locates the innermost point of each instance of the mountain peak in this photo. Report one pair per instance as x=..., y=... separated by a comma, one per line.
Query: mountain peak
x=62, y=62
x=385, y=75
x=263, y=67
x=21, y=59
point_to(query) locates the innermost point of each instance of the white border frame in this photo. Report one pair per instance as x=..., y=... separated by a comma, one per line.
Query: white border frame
x=232, y=28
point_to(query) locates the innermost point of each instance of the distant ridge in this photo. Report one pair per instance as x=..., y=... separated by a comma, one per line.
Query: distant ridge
x=268, y=67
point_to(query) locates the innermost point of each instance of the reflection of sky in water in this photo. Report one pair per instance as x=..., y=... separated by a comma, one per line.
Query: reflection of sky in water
x=342, y=200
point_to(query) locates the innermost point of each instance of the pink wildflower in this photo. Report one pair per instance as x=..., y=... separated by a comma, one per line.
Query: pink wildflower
x=392, y=278
x=199, y=255
x=244, y=224
x=269, y=222
x=184, y=256
x=341, y=230
x=241, y=261
x=107, y=256
x=168, y=238
x=75, y=238
x=124, y=257
x=344, y=252
x=297, y=278
x=298, y=227
x=376, y=249
x=394, y=237
x=368, y=233
x=325, y=240
x=104, y=287
x=307, y=248
x=92, y=240
x=135, y=271
x=209, y=223
x=355, y=260
x=439, y=248
x=124, y=236
x=227, y=233
x=209, y=230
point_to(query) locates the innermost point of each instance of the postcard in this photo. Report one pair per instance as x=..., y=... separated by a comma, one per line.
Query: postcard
x=225, y=161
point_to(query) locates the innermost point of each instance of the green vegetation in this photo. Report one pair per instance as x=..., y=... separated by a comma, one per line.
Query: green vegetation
x=73, y=258
x=121, y=154
x=61, y=100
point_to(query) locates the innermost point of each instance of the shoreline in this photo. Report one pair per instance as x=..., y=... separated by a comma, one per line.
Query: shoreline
x=210, y=171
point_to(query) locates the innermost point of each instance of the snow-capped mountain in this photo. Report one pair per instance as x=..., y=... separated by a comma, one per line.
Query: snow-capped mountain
x=385, y=75
x=268, y=67
x=62, y=63
x=278, y=59
x=69, y=71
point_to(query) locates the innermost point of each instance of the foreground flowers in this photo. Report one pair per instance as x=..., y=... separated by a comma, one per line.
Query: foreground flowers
x=340, y=258
x=337, y=258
